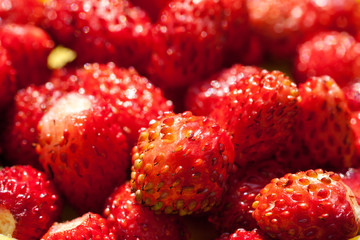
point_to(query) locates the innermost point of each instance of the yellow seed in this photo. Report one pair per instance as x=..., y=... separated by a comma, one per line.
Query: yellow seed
x=157, y=206
x=179, y=204
x=138, y=196
x=138, y=164
x=141, y=179
x=192, y=205
x=147, y=169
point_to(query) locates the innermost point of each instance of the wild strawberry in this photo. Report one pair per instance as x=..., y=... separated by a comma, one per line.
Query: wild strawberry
x=83, y=149
x=236, y=208
x=181, y=164
x=7, y=80
x=241, y=234
x=203, y=97
x=88, y=226
x=328, y=53
x=307, y=205
x=352, y=179
x=352, y=94
x=113, y=30
x=21, y=11
x=131, y=221
x=187, y=43
x=29, y=203
x=28, y=47
x=260, y=114
x=153, y=8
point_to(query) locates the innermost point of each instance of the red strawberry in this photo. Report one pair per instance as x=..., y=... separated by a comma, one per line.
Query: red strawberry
x=7, y=80
x=352, y=179
x=113, y=30
x=132, y=221
x=355, y=126
x=323, y=136
x=88, y=226
x=181, y=164
x=203, y=97
x=84, y=149
x=352, y=94
x=329, y=53
x=260, y=113
x=307, y=205
x=28, y=47
x=29, y=203
x=187, y=43
x=236, y=209
x=21, y=11
x=241, y=234
x=153, y=8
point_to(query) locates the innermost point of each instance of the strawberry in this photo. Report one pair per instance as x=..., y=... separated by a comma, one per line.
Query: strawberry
x=7, y=80
x=181, y=164
x=236, y=208
x=203, y=97
x=242, y=234
x=88, y=226
x=355, y=126
x=352, y=94
x=29, y=203
x=28, y=47
x=323, y=136
x=187, y=43
x=131, y=221
x=336, y=54
x=351, y=179
x=113, y=30
x=21, y=11
x=153, y=8
x=307, y=205
x=259, y=112
x=83, y=149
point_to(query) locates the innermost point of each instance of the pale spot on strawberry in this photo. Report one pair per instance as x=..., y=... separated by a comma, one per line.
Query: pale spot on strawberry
x=7, y=222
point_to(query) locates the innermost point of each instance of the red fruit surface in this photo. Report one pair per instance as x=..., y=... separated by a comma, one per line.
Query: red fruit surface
x=113, y=30
x=88, y=226
x=131, y=221
x=336, y=54
x=28, y=47
x=187, y=43
x=242, y=234
x=203, y=97
x=352, y=94
x=29, y=203
x=181, y=164
x=21, y=11
x=236, y=208
x=355, y=126
x=152, y=8
x=260, y=114
x=307, y=205
x=7, y=80
x=352, y=179
x=83, y=149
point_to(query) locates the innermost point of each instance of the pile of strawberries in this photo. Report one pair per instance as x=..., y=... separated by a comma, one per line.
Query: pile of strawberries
x=175, y=114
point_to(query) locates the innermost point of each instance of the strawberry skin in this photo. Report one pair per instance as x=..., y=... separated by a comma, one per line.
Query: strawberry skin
x=7, y=80
x=83, y=149
x=352, y=179
x=181, y=164
x=18, y=11
x=132, y=221
x=307, y=205
x=153, y=8
x=88, y=226
x=260, y=114
x=352, y=94
x=29, y=203
x=242, y=234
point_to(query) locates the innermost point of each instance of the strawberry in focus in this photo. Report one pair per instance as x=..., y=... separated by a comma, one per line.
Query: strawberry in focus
x=352, y=179
x=242, y=234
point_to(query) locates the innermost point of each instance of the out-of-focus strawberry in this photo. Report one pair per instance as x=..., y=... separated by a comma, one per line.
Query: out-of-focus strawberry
x=352, y=179
x=307, y=205
x=153, y=8
x=7, y=80
x=336, y=54
x=21, y=11
x=88, y=226
x=352, y=94
x=113, y=30
x=236, y=208
x=260, y=114
x=29, y=203
x=131, y=221
x=242, y=234
x=28, y=47
x=187, y=43
x=83, y=149
x=181, y=164
x=355, y=126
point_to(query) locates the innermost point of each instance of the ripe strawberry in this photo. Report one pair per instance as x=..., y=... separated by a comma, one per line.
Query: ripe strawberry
x=328, y=53
x=241, y=234
x=29, y=203
x=203, y=97
x=7, y=80
x=88, y=226
x=352, y=179
x=84, y=149
x=352, y=94
x=260, y=113
x=153, y=8
x=131, y=221
x=28, y=47
x=113, y=30
x=236, y=208
x=181, y=164
x=21, y=11
x=307, y=205
x=187, y=43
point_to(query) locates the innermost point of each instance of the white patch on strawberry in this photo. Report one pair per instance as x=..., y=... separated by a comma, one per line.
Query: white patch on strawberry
x=7, y=222
x=66, y=226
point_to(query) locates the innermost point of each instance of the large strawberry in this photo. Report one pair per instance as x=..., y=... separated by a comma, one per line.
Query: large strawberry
x=21, y=11
x=242, y=234
x=84, y=150
x=181, y=164
x=29, y=203
x=260, y=114
x=7, y=80
x=113, y=30
x=131, y=221
x=307, y=205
